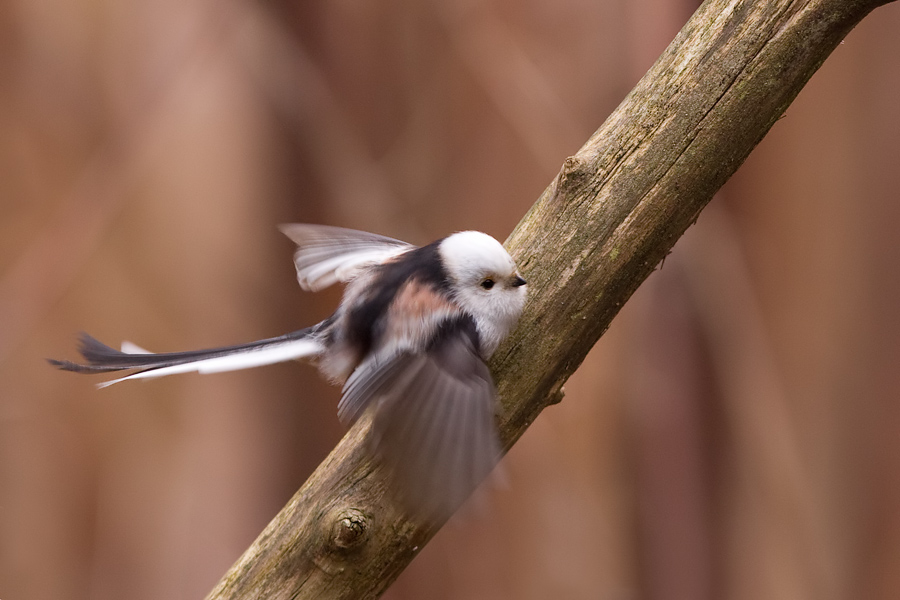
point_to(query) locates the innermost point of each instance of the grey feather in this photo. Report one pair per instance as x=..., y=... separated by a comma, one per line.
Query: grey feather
x=433, y=427
x=328, y=255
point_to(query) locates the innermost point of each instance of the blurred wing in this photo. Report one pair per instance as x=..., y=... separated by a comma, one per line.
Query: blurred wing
x=433, y=426
x=326, y=255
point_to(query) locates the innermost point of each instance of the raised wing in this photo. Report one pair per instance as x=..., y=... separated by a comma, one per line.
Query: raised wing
x=326, y=255
x=433, y=426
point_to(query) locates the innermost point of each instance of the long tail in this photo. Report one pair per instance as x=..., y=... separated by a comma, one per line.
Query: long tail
x=101, y=358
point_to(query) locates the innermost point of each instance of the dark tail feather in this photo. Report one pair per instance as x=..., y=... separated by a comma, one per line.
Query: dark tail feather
x=100, y=358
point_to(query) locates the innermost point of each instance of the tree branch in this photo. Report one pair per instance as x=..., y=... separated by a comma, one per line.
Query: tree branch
x=612, y=214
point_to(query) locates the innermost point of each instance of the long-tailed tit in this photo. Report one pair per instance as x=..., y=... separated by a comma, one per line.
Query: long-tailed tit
x=409, y=339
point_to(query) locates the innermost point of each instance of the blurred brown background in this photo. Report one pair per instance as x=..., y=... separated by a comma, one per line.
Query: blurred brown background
x=734, y=435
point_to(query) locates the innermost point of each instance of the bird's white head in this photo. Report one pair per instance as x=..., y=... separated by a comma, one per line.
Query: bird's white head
x=485, y=283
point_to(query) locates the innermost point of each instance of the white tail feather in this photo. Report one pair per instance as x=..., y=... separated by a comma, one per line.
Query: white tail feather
x=132, y=348
x=244, y=359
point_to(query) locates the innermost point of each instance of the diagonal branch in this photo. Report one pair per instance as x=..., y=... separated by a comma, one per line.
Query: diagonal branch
x=612, y=214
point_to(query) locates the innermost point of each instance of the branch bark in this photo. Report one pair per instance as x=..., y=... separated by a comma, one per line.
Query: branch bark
x=611, y=215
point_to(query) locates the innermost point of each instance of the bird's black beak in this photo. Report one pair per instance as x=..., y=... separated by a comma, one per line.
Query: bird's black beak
x=518, y=281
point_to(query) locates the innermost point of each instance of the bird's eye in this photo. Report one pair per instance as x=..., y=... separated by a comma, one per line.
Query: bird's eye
x=487, y=284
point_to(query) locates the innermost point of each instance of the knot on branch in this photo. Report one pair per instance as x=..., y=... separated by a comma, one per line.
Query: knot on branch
x=574, y=172
x=556, y=395
x=342, y=535
x=350, y=530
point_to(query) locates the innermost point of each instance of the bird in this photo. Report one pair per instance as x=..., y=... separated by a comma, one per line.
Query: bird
x=408, y=341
